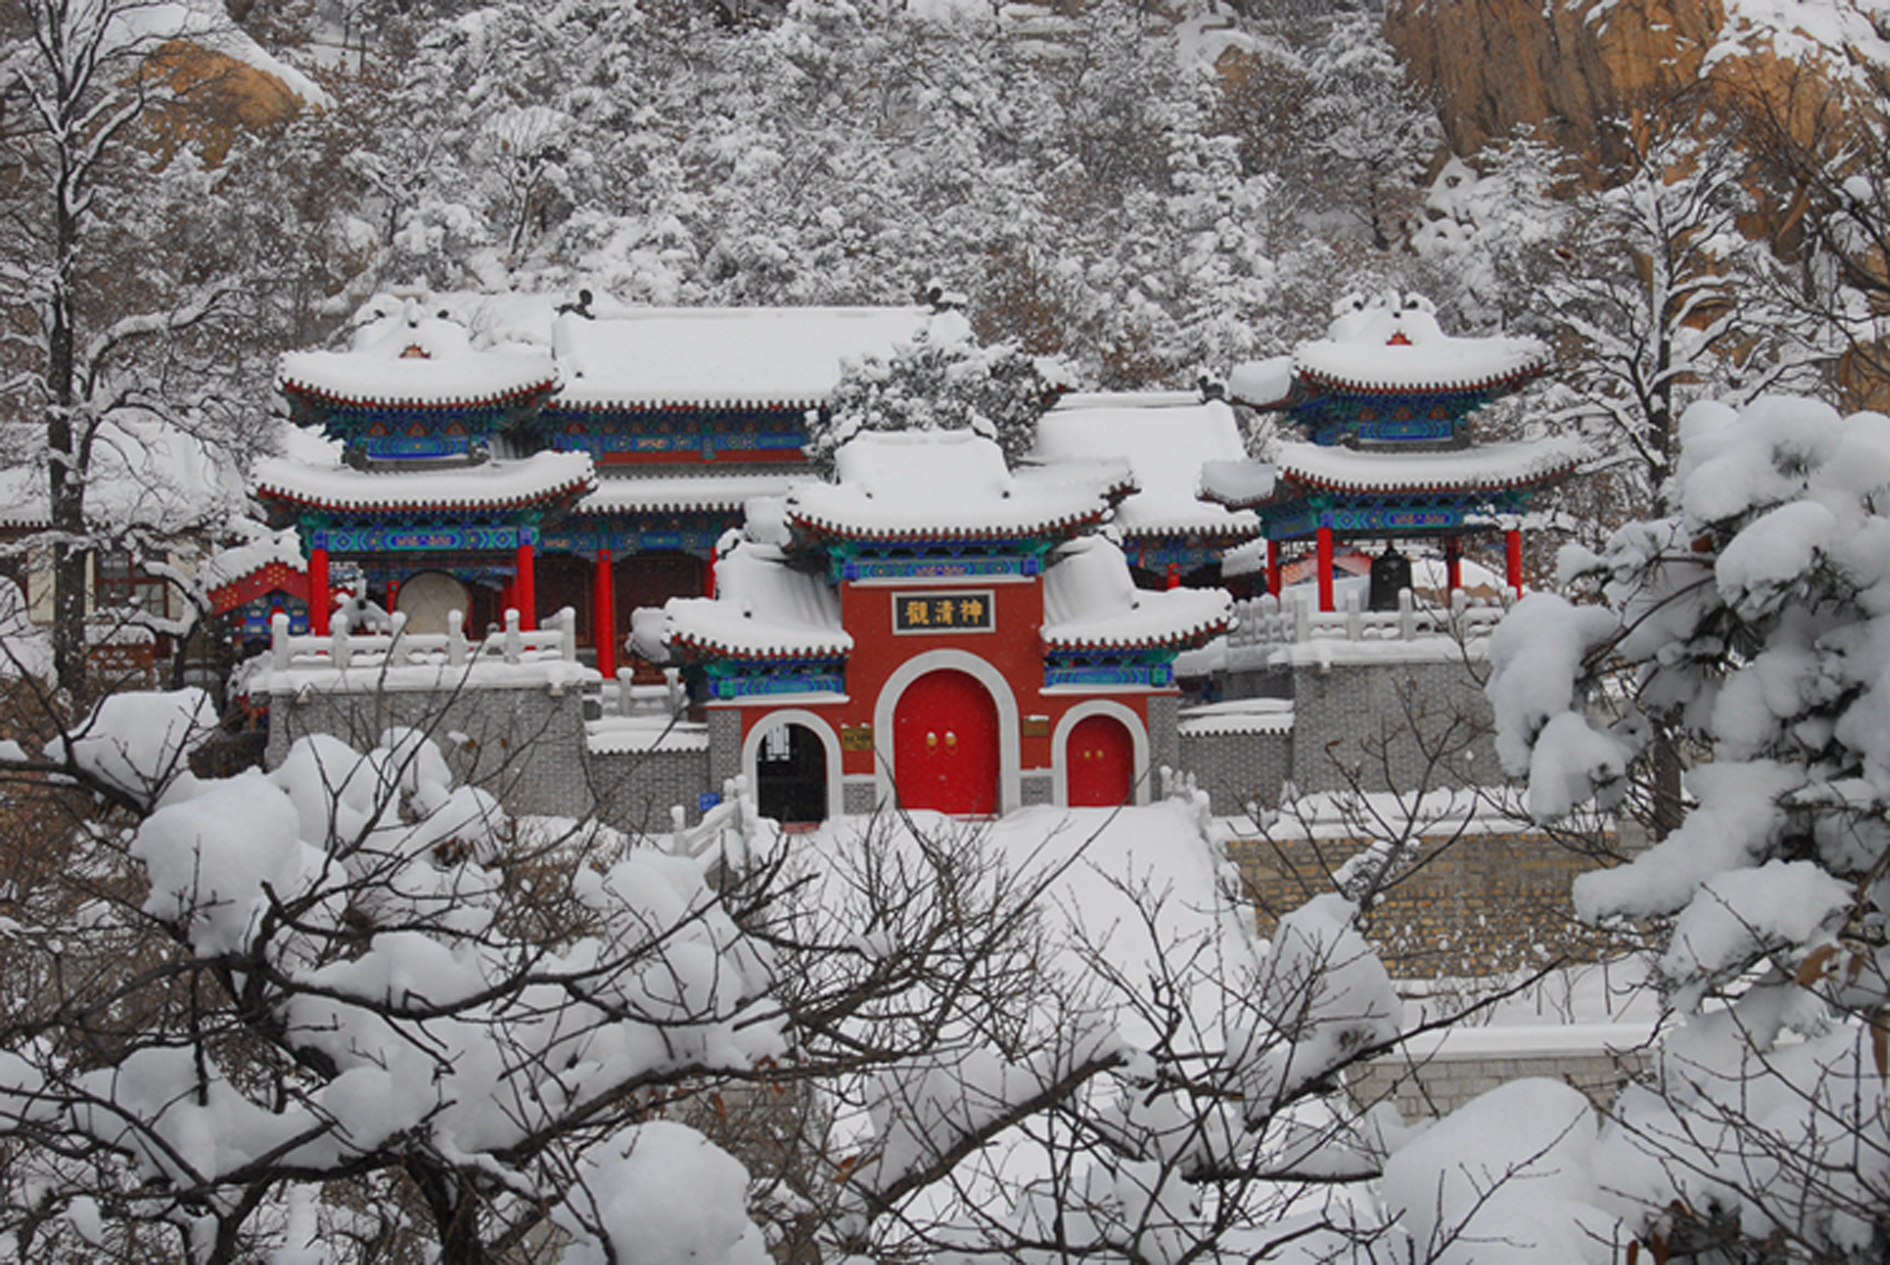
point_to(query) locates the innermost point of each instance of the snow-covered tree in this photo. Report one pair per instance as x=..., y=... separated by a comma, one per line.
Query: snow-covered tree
x=1664, y=300
x=112, y=337
x=348, y=1008
x=1754, y=613
x=942, y=380
x=1820, y=136
x=1370, y=132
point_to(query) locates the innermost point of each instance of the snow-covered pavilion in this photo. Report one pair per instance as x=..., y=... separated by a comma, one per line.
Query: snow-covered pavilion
x=1383, y=405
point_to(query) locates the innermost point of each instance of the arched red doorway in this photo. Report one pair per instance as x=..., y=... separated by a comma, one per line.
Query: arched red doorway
x=945, y=744
x=1099, y=755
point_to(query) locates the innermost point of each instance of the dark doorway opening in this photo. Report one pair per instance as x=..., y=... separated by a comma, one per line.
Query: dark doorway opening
x=791, y=775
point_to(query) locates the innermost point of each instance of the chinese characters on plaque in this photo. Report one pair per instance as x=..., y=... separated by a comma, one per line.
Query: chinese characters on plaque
x=936, y=611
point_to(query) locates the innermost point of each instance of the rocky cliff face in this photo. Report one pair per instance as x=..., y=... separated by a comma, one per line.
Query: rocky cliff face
x=1494, y=65
x=216, y=96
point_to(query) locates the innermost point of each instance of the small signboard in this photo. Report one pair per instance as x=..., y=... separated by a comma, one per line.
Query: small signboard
x=934, y=611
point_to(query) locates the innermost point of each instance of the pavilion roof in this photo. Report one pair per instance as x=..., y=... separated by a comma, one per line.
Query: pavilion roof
x=1090, y=603
x=406, y=357
x=1166, y=438
x=1389, y=345
x=546, y=477
x=950, y=485
x=1486, y=467
x=1300, y=466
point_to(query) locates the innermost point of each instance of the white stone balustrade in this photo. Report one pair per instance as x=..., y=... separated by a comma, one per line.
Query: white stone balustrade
x=396, y=658
x=1264, y=623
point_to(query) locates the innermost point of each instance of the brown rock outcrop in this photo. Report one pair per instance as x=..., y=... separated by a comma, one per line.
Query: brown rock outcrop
x=215, y=97
x=1495, y=65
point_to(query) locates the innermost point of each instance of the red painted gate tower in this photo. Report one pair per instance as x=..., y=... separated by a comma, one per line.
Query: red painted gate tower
x=936, y=628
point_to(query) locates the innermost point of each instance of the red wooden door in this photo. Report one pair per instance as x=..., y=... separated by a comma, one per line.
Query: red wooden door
x=945, y=744
x=1100, y=757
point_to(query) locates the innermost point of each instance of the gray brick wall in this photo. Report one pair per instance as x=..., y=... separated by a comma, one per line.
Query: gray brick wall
x=1376, y=726
x=1163, y=753
x=636, y=790
x=725, y=747
x=1235, y=769
x=859, y=794
x=1370, y=726
x=1036, y=786
x=526, y=746
x=1441, y=1084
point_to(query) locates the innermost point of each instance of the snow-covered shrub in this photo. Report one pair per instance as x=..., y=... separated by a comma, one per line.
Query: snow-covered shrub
x=943, y=380
x=1757, y=619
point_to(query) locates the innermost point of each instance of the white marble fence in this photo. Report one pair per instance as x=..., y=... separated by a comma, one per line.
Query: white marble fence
x=393, y=647
x=1265, y=622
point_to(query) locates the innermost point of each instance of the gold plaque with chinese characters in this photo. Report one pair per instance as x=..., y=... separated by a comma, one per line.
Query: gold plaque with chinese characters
x=938, y=611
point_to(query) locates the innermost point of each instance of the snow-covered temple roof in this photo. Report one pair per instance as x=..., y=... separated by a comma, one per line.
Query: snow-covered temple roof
x=1166, y=438
x=1090, y=603
x=722, y=357
x=410, y=357
x=1390, y=344
x=684, y=493
x=492, y=485
x=763, y=608
x=949, y=485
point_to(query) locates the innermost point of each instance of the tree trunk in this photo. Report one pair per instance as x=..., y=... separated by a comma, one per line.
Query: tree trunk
x=65, y=478
x=455, y=1212
x=1669, y=799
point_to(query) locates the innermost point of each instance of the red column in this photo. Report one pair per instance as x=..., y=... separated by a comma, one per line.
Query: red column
x=525, y=587
x=708, y=576
x=319, y=601
x=1325, y=569
x=1174, y=575
x=604, y=615
x=393, y=595
x=1512, y=549
x=1273, y=567
x=1453, y=563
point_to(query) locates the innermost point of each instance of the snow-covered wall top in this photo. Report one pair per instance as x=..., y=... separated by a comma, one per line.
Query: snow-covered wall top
x=410, y=357
x=763, y=608
x=1393, y=343
x=949, y=484
x=1166, y=438
x=1091, y=603
x=721, y=356
x=493, y=485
